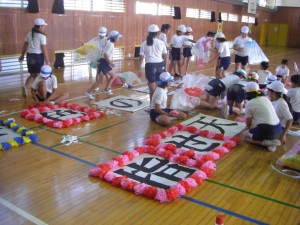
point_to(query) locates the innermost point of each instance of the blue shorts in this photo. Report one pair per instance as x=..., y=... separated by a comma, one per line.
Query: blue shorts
x=215, y=87
x=241, y=59
x=236, y=93
x=225, y=63
x=296, y=116
x=154, y=114
x=265, y=132
x=35, y=62
x=153, y=70
x=175, y=53
x=187, y=52
x=41, y=99
x=103, y=66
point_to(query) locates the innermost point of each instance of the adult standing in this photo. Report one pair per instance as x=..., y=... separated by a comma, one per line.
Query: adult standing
x=155, y=53
x=37, y=53
x=241, y=50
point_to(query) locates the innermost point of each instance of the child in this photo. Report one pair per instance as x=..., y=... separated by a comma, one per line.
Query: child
x=43, y=88
x=187, y=46
x=165, y=29
x=216, y=87
x=222, y=53
x=105, y=64
x=241, y=51
x=159, y=112
x=236, y=95
x=282, y=71
x=35, y=45
x=294, y=99
x=154, y=52
x=279, y=100
x=100, y=42
x=263, y=125
x=263, y=74
x=202, y=48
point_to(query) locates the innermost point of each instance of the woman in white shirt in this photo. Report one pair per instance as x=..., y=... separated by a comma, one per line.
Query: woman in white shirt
x=37, y=53
x=263, y=125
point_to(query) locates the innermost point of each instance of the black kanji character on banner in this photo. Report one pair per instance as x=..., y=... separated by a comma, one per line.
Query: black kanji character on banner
x=126, y=103
x=156, y=172
x=61, y=114
x=193, y=141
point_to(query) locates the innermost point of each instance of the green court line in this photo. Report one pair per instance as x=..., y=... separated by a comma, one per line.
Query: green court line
x=256, y=195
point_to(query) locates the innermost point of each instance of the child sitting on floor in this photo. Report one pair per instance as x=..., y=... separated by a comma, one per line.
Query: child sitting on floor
x=43, y=88
x=159, y=112
x=282, y=71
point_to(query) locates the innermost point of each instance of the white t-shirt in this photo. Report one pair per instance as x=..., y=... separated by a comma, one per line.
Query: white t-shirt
x=188, y=43
x=153, y=53
x=282, y=110
x=282, y=71
x=159, y=97
x=34, y=45
x=51, y=83
x=223, y=49
x=230, y=80
x=294, y=98
x=163, y=37
x=100, y=43
x=241, y=43
x=263, y=76
x=177, y=41
x=108, y=48
x=262, y=111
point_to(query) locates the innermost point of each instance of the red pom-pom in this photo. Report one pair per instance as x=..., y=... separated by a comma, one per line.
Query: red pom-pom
x=152, y=141
x=228, y=145
x=236, y=139
x=150, y=192
x=190, y=153
x=170, y=147
x=102, y=173
x=104, y=167
x=199, y=163
x=208, y=157
x=179, y=126
x=172, y=194
x=31, y=106
x=130, y=185
x=186, y=186
x=219, y=137
x=167, y=154
x=191, y=129
x=140, y=150
x=151, y=150
x=219, y=152
x=120, y=161
x=162, y=134
x=116, y=182
x=208, y=172
x=182, y=159
x=197, y=179
x=129, y=154
x=203, y=133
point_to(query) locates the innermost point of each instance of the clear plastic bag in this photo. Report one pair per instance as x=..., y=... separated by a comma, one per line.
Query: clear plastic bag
x=256, y=55
x=129, y=78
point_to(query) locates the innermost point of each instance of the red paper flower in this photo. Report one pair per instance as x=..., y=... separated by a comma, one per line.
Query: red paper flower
x=172, y=194
x=170, y=147
x=203, y=133
x=185, y=184
x=167, y=154
x=219, y=137
x=150, y=192
x=116, y=182
x=191, y=129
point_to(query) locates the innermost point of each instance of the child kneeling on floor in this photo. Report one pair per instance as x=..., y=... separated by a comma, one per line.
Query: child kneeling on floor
x=43, y=88
x=159, y=111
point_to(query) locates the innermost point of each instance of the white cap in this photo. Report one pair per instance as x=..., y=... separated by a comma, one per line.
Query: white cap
x=272, y=78
x=102, y=31
x=114, y=34
x=181, y=28
x=153, y=28
x=252, y=86
x=189, y=29
x=242, y=72
x=276, y=86
x=40, y=22
x=253, y=75
x=46, y=71
x=220, y=35
x=166, y=77
x=245, y=29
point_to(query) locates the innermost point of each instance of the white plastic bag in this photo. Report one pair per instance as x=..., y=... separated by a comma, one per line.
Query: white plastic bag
x=256, y=55
x=129, y=77
x=184, y=102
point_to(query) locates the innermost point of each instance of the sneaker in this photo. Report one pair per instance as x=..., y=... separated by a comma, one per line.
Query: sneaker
x=97, y=89
x=24, y=92
x=270, y=143
x=91, y=97
x=225, y=111
x=108, y=92
x=272, y=148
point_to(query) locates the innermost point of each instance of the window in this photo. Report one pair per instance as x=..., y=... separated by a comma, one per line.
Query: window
x=224, y=16
x=232, y=17
x=95, y=5
x=154, y=9
x=248, y=19
x=262, y=3
x=13, y=3
x=11, y=64
x=198, y=13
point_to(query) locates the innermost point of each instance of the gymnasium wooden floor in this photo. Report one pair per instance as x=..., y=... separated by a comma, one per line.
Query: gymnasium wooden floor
x=47, y=182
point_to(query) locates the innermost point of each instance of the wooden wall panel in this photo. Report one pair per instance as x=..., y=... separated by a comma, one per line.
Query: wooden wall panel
x=70, y=30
